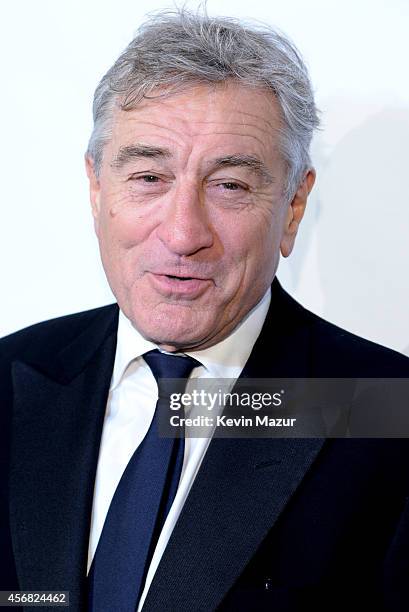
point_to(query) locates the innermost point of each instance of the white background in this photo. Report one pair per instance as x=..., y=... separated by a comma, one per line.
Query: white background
x=351, y=261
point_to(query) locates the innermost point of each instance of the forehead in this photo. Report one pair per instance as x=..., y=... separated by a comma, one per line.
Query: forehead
x=205, y=117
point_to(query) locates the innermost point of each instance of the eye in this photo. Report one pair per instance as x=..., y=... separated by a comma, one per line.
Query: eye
x=231, y=186
x=148, y=178
x=227, y=188
x=145, y=178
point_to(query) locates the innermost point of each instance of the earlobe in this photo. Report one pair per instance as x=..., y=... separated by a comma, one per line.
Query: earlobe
x=295, y=213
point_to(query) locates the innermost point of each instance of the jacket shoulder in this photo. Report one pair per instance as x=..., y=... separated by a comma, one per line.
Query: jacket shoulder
x=51, y=335
x=338, y=346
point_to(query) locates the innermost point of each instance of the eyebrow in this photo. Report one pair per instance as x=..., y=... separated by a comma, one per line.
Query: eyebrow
x=245, y=161
x=128, y=153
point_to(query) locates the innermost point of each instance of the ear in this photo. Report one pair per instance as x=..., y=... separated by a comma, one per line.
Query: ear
x=94, y=189
x=295, y=213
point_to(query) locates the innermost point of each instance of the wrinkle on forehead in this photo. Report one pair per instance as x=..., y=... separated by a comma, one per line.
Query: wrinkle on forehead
x=192, y=128
x=205, y=99
x=180, y=120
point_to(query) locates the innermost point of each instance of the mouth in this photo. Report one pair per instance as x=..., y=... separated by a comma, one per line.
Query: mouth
x=182, y=278
x=172, y=285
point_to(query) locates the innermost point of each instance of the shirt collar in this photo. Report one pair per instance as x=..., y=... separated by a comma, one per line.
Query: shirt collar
x=226, y=359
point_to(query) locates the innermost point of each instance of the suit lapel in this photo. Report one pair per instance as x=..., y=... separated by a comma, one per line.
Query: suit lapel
x=242, y=485
x=57, y=422
x=240, y=491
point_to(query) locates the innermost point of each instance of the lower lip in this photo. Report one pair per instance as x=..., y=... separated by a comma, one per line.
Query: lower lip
x=168, y=286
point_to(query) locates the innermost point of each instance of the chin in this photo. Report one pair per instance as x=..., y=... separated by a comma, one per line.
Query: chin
x=176, y=328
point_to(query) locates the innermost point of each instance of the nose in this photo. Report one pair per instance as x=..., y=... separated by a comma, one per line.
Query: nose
x=185, y=227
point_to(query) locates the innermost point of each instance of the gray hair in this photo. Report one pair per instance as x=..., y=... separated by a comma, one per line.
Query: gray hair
x=176, y=49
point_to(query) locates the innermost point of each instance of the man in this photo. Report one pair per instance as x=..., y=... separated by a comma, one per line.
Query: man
x=199, y=175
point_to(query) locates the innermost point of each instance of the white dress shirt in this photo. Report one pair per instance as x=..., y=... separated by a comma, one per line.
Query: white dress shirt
x=130, y=408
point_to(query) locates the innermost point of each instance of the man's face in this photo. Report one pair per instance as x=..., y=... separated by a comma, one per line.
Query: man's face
x=189, y=211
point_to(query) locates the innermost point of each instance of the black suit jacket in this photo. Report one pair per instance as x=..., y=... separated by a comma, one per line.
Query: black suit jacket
x=269, y=524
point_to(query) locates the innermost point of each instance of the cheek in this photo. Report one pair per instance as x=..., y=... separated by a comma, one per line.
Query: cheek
x=250, y=240
x=121, y=222
x=124, y=228
x=259, y=252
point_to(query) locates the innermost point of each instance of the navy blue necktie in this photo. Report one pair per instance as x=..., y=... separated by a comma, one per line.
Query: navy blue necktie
x=141, y=501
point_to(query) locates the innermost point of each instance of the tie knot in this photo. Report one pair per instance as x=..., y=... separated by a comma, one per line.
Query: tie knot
x=169, y=366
